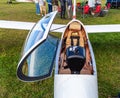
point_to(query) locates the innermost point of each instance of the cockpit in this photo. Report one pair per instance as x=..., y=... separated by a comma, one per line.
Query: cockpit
x=73, y=56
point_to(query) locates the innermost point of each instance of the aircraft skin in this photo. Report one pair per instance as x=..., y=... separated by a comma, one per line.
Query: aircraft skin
x=75, y=85
x=60, y=27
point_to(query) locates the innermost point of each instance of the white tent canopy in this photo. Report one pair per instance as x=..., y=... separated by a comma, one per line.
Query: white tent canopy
x=91, y=3
x=24, y=0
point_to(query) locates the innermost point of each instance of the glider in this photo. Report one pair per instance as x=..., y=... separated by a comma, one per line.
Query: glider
x=75, y=73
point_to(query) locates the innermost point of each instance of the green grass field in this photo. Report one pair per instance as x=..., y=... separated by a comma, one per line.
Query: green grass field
x=106, y=48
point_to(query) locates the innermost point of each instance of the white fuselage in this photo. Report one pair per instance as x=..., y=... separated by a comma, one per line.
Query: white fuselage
x=75, y=85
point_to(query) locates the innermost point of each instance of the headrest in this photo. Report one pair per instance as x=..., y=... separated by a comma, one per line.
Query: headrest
x=75, y=26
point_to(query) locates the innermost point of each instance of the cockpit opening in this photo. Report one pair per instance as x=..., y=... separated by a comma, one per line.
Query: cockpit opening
x=74, y=55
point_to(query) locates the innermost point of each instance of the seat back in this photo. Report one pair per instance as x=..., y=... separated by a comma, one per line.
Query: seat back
x=97, y=9
x=81, y=40
x=74, y=27
x=86, y=9
x=78, y=5
x=108, y=5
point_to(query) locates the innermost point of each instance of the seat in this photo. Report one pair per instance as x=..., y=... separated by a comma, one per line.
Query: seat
x=97, y=10
x=86, y=9
x=108, y=5
x=75, y=54
x=74, y=28
x=78, y=6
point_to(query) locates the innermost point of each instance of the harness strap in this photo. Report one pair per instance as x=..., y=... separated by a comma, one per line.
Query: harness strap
x=74, y=37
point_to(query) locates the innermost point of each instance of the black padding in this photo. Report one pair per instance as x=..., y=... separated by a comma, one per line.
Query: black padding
x=75, y=58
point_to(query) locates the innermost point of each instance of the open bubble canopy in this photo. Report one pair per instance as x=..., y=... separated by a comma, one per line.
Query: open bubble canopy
x=39, y=52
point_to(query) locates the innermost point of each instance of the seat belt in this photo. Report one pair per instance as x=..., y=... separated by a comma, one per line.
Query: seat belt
x=74, y=37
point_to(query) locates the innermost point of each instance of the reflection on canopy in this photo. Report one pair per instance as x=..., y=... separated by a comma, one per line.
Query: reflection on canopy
x=40, y=62
x=37, y=33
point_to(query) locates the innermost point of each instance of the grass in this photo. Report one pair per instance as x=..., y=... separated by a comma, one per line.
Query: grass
x=106, y=48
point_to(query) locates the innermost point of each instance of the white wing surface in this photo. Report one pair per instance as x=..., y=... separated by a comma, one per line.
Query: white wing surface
x=60, y=27
x=91, y=28
x=103, y=28
x=16, y=25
